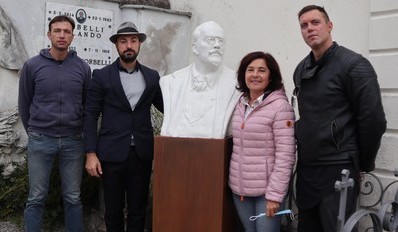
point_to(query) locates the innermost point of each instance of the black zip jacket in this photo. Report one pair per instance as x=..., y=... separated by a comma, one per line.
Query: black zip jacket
x=341, y=113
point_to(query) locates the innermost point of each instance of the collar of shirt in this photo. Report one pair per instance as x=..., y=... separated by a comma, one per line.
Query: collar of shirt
x=200, y=82
x=311, y=63
x=123, y=69
x=245, y=101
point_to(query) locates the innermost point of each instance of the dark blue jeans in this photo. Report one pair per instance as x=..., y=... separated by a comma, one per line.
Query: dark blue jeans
x=42, y=151
x=252, y=206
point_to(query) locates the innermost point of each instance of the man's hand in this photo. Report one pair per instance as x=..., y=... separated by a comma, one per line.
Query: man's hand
x=93, y=165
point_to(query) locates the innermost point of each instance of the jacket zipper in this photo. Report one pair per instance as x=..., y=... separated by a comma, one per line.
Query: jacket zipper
x=241, y=152
x=60, y=97
x=242, y=127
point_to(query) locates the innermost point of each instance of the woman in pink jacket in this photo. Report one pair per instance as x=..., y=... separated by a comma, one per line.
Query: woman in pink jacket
x=263, y=152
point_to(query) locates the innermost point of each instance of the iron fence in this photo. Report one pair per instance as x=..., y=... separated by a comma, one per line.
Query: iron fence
x=377, y=208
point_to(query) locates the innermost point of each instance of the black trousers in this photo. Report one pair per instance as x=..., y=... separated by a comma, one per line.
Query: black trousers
x=322, y=217
x=126, y=185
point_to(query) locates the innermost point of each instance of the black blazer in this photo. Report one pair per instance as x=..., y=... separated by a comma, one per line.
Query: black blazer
x=106, y=97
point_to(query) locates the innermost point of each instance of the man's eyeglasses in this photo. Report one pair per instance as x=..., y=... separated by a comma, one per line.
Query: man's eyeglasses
x=213, y=39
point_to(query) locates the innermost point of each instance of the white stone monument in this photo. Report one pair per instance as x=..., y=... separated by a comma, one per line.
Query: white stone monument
x=199, y=99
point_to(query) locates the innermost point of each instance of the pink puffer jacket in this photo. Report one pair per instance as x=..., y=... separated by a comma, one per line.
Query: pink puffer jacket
x=264, y=148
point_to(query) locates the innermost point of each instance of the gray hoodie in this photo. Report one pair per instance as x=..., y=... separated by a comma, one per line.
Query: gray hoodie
x=52, y=93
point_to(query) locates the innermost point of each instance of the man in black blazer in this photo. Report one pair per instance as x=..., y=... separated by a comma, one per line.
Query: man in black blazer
x=121, y=152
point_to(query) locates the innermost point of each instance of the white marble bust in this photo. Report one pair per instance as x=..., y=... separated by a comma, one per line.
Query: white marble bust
x=199, y=99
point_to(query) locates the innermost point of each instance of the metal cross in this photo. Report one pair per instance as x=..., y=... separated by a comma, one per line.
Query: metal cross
x=342, y=186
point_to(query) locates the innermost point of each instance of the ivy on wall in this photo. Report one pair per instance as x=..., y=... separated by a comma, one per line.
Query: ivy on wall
x=13, y=192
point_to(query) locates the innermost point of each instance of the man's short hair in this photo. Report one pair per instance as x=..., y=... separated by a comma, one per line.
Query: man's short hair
x=314, y=7
x=199, y=29
x=61, y=18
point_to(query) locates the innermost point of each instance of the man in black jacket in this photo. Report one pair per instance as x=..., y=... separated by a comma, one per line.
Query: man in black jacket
x=122, y=152
x=341, y=122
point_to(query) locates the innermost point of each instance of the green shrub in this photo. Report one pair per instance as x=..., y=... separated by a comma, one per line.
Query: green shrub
x=13, y=193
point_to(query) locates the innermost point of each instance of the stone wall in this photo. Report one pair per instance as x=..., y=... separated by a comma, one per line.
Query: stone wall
x=163, y=50
x=12, y=56
x=165, y=4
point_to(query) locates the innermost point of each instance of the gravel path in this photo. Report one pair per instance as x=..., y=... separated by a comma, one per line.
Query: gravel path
x=9, y=227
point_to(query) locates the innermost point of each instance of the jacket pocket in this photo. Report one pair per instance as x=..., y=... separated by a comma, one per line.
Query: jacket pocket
x=334, y=134
x=34, y=135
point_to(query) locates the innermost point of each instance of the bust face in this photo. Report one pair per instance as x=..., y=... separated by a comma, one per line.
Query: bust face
x=209, y=46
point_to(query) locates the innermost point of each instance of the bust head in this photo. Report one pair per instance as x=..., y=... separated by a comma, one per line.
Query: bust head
x=208, y=46
x=199, y=99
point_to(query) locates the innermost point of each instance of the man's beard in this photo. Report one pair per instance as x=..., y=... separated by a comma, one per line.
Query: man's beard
x=128, y=58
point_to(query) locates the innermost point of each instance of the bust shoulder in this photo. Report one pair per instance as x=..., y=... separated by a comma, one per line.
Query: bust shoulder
x=171, y=79
x=181, y=73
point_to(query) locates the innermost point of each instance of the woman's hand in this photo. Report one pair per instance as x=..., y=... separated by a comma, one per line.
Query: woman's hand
x=271, y=208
